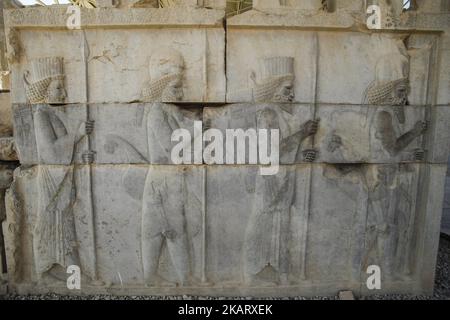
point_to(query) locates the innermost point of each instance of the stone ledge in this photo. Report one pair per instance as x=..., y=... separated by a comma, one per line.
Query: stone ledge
x=350, y=21
x=56, y=17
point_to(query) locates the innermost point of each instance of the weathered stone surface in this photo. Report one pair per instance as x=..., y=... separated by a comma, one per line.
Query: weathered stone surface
x=299, y=231
x=56, y=17
x=124, y=57
x=289, y=4
x=5, y=115
x=439, y=148
x=345, y=134
x=6, y=178
x=353, y=134
x=8, y=149
x=346, y=295
x=121, y=133
x=327, y=67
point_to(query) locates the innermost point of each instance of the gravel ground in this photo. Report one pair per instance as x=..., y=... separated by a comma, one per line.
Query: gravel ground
x=442, y=288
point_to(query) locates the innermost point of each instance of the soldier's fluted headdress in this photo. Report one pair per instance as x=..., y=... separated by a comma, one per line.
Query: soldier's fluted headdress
x=162, y=63
x=273, y=71
x=391, y=70
x=38, y=78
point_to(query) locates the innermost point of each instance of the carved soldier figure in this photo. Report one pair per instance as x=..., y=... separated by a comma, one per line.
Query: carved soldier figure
x=54, y=238
x=391, y=187
x=166, y=68
x=276, y=80
x=267, y=235
x=164, y=196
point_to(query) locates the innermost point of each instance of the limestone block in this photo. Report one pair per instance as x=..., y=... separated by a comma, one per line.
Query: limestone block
x=50, y=135
x=8, y=149
x=329, y=67
x=5, y=115
x=115, y=218
x=428, y=216
x=106, y=3
x=295, y=124
x=35, y=68
x=161, y=55
x=287, y=4
x=6, y=178
x=439, y=148
x=311, y=229
x=431, y=6
x=350, y=5
x=331, y=133
x=213, y=4
x=371, y=134
x=199, y=54
x=118, y=133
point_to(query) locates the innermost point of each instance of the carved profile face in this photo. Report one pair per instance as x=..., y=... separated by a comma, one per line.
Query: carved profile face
x=174, y=89
x=400, y=93
x=166, y=67
x=285, y=92
x=276, y=80
x=56, y=93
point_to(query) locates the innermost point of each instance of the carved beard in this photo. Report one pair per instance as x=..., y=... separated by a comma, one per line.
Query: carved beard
x=279, y=96
x=384, y=93
x=270, y=90
x=399, y=113
x=172, y=93
x=162, y=90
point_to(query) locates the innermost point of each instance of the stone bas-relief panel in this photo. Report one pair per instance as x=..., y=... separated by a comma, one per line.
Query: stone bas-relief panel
x=141, y=133
x=310, y=228
x=50, y=135
x=60, y=223
x=295, y=123
x=331, y=133
x=31, y=76
x=140, y=63
x=326, y=67
x=118, y=133
x=371, y=134
x=170, y=65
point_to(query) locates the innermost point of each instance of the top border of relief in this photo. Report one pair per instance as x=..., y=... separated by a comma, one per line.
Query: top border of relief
x=340, y=21
x=56, y=17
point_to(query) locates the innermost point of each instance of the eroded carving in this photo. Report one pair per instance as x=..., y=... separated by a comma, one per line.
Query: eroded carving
x=392, y=188
x=391, y=218
x=390, y=89
x=13, y=54
x=45, y=81
x=7, y=149
x=166, y=74
x=6, y=177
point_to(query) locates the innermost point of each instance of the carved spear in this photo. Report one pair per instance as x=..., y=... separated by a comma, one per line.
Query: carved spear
x=307, y=199
x=87, y=160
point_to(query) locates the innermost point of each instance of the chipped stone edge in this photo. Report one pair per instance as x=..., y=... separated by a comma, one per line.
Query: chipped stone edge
x=56, y=17
x=340, y=20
